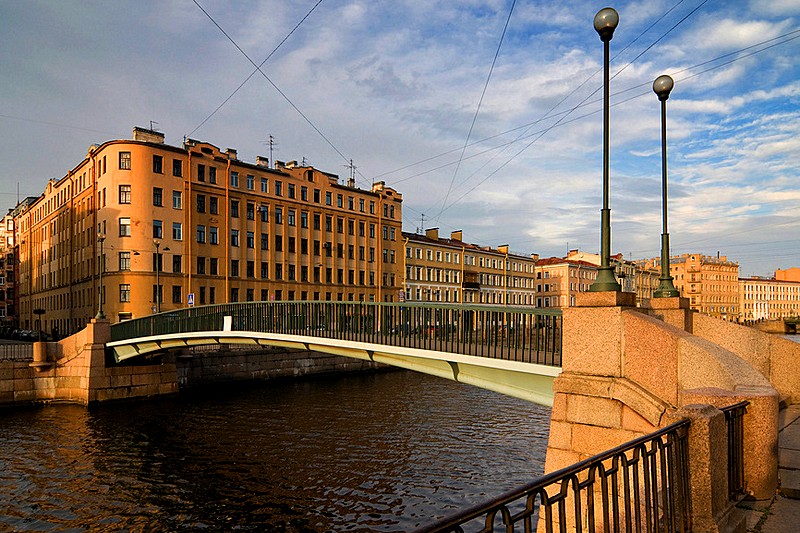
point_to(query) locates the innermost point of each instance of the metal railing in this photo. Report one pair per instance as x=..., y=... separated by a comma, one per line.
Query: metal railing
x=734, y=419
x=16, y=352
x=641, y=486
x=514, y=333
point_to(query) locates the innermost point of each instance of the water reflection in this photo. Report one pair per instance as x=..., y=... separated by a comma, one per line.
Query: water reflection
x=368, y=453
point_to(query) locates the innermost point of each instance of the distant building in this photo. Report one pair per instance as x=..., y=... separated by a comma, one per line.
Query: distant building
x=451, y=270
x=635, y=277
x=791, y=274
x=558, y=280
x=195, y=225
x=710, y=283
x=768, y=299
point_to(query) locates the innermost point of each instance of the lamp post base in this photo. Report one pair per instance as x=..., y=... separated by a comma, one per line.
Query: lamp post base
x=605, y=281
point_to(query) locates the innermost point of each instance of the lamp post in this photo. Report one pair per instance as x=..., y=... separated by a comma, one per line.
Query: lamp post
x=662, y=87
x=101, y=237
x=158, y=276
x=605, y=22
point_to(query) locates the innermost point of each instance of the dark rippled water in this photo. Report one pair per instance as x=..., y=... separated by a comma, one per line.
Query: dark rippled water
x=382, y=452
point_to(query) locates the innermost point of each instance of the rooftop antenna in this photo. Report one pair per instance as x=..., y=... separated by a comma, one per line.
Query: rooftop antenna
x=153, y=123
x=305, y=163
x=422, y=224
x=271, y=143
x=351, y=182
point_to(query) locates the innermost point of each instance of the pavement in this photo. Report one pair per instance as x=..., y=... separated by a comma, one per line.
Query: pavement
x=782, y=513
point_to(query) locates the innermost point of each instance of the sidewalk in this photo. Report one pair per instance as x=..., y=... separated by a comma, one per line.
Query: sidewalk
x=782, y=514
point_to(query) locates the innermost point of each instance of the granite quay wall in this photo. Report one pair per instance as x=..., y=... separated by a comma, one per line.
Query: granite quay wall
x=629, y=371
x=77, y=369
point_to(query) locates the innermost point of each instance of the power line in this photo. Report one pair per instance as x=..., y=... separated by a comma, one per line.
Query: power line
x=285, y=97
x=256, y=69
x=478, y=109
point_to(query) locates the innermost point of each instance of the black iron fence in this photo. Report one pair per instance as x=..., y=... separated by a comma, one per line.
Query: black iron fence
x=515, y=333
x=641, y=486
x=734, y=418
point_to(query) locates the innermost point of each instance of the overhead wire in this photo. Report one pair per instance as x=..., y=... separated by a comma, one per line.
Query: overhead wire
x=286, y=38
x=478, y=108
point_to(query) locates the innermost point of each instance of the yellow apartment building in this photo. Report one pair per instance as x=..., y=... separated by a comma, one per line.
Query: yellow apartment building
x=632, y=276
x=439, y=269
x=174, y=226
x=558, y=280
x=768, y=299
x=710, y=283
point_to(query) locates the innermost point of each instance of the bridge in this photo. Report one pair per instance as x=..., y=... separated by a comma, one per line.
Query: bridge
x=510, y=350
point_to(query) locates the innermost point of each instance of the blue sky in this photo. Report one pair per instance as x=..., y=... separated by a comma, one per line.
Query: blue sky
x=395, y=85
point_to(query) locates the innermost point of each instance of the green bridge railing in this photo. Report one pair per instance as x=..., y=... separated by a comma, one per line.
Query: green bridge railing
x=513, y=333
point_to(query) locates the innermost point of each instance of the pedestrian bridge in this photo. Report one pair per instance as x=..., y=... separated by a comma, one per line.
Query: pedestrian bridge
x=511, y=350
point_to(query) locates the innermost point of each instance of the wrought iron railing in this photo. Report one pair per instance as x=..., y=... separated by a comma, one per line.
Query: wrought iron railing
x=514, y=333
x=641, y=486
x=734, y=418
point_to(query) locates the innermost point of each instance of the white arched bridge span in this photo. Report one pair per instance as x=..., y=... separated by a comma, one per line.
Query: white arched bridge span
x=511, y=350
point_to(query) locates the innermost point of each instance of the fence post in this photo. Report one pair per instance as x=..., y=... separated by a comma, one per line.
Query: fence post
x=708, y=467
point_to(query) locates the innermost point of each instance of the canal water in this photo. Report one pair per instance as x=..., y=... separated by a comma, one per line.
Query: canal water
x=376, y=452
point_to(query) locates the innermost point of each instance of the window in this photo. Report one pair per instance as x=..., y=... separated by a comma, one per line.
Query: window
x=290, y=218
x=339, y=200
x=177, y=266
x=124, y=160
x=124, y=194
x=303, y=219
x=264, y=272
x=235, y=179
x=201, y=265
x=235, y=268
x=158, y=229
x=304, y=193
x=279, y=215
x=291, y=190
x=177, y=231
x=201, y=203
x=212, y=178
x=234, y=237
x=213, y=205
x=201, y=173
x=264, y=211
x=251, y=269
x=158, y=197
x=125, y=227
x=177, y=168
x=328, y=198
x=316, y=196
x=213, y=235
x=291, y=245
x=251, y=211
x=202, y=295
x=158, y=164
x=177, y=200
x=251, y=182
x=176, y=294
x=124, y=292
x=350, y=203
x=264, y=241
x=212, y=295
x=251, y=239
x=264, y=185
x=201, y=233
x=278, y=188
x=234, y=208
x=316, y=220
x=213, y=267
x=278, y=243
x=124, y=260
x=278, y=271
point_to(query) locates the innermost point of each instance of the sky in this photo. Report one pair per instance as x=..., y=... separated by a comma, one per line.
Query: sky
x=485, y=115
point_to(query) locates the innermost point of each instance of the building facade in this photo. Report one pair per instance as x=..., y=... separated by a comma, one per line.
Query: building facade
x=558, y=280
x=451, y=270
x=710, y=283
x=193, y=225
x=768, y=299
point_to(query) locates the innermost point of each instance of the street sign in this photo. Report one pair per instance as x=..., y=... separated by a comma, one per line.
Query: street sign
x=190, y=299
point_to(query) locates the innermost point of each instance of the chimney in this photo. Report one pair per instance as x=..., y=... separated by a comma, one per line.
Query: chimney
x=351, y=183
x=231, y=153
x=457, y=235
x=503, y=248
x=432, y=233
x=262, y=161
x=149, y=136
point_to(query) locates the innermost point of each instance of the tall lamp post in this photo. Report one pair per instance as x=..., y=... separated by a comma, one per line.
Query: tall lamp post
x=101, y=237
x=662, y=87
x=605, y=22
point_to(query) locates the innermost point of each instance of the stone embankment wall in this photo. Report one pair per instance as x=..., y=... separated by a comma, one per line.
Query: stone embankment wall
x=628, y=371
x=76, y=370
